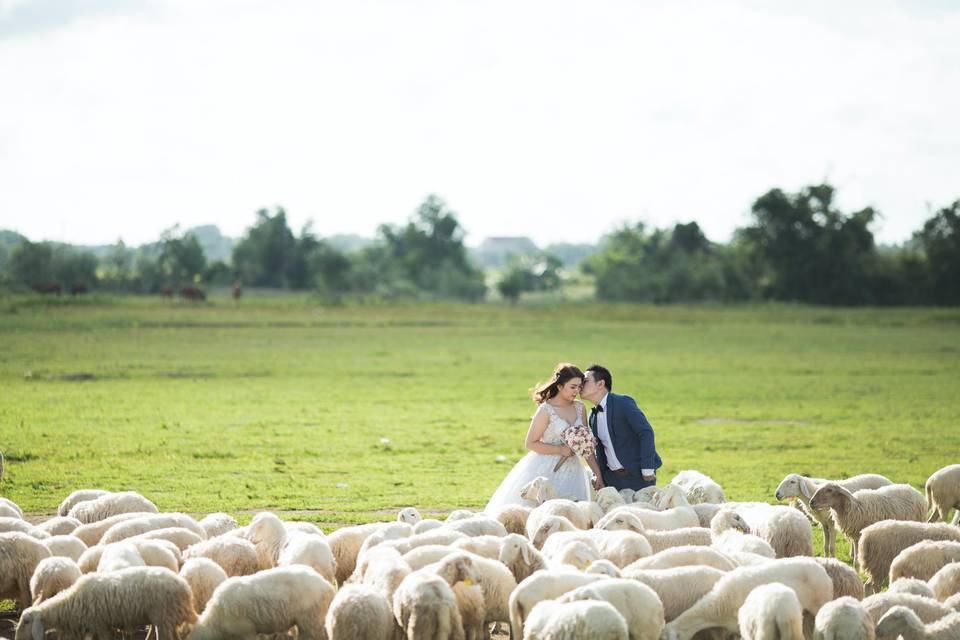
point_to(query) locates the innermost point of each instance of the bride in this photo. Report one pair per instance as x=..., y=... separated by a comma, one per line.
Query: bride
x=558, y=409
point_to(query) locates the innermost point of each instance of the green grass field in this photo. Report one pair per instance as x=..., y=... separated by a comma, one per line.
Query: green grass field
x=282, y=404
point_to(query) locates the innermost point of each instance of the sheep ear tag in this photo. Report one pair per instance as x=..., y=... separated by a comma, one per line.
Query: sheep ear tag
x=467, y=581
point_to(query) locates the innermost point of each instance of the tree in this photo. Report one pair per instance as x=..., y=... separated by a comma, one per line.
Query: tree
x=181, y=257
x=538, y=272
x=31, y=263
x=263, y=258
x=940, y=241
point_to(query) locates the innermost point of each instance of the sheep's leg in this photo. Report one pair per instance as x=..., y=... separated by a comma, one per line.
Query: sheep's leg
x=956, y=516
x=853, y=552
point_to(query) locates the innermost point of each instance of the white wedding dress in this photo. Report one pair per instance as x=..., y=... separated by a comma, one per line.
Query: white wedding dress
x=571, y=481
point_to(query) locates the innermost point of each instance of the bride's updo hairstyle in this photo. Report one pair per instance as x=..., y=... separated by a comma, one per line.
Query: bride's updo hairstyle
x=563, y=374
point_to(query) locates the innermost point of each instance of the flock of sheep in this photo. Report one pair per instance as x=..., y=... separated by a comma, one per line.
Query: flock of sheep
x=668, y=563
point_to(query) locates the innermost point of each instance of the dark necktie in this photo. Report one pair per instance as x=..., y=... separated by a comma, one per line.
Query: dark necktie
x=593, y=415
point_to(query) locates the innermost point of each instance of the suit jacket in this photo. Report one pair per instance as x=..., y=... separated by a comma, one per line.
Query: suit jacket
x=631, y=435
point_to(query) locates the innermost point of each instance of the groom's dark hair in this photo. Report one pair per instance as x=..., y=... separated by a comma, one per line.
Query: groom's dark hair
x=601, y=373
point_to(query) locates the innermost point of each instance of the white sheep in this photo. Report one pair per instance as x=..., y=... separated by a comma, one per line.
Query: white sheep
x=953, y=602
x=98, y=604
x=360, y=612
x=627, y=495
x=853, y=512
x=670, y=496
x=236, y=556
x=912, y=585
x=390, y=532
x=270, y=601
x=719, y=607
x=16, y=524
x=310, y=550
x=557, y=507
x=543, y=585
x=678, y=588
x=903, y=622
x=93, y=532
x=786, y=529
x=705, y=512
x=771, y=612
x=608, y=498
x=592, y=619
x=461, y=575
x=513, y=517
x=459, y=514
x=59, y=525
x=622, y=520
x=19, y=556
x=158, y=553
x=177, y=536
x=802, y=488
x=731, y=533
x=410, y=515
x=300, y=526
x=427, y=524
x=924, y=559
x=404, y=545
x=216, y=524
x=143, y=524
x=425, y=607
x=90, y=559
x=8, y=511
x=843, y=619
x=119, y=556
x=603, y=567
x=78, y=496
x=880, y=543
x=66, y=546
x=686, y=556
x=345, y=544
x=495, y=580
x=52, y=575
x=619, y=547
x=578, y=554
x=386, y=571
x=946, y=582
x=267, y=533
x=676, y=518
x=520, y=556
x=204, y=576
x=109, y=505
x=537, y=491
x=846, y=581
x=927, y=609
x=699, y=488
x=943, y=493
x=486, y=546
x=479, y=525
x=638, y=604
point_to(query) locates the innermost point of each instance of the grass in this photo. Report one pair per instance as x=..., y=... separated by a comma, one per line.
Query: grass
x=281, y=403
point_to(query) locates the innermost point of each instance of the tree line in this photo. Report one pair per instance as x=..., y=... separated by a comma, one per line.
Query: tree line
x=798, y=247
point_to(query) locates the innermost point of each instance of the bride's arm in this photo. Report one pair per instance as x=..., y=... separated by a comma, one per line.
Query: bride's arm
x=537, y=426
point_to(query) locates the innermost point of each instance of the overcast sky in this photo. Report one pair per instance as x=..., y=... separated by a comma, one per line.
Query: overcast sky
x=557, y=120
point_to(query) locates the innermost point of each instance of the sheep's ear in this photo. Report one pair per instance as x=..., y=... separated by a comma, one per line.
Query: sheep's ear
x=541, y=494
x=525, y=552
x=36, y=629
x=807, y=488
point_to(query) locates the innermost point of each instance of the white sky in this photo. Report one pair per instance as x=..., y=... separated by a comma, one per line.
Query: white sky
x=553, y=119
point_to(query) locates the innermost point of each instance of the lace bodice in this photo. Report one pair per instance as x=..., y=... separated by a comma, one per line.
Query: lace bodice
x=556, y=427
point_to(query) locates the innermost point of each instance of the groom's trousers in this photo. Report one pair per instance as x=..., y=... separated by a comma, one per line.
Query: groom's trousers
x=623, y=479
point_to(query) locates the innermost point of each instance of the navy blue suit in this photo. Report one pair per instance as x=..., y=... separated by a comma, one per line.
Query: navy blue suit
x=633, y=442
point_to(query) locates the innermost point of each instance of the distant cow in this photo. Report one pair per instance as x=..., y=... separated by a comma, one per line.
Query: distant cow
x=237, y=291
x=167, y=291
x=44, y=288
x=192, y=293
x=79, y=288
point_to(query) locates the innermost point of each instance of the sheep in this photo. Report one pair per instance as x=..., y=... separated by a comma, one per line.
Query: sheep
x=549, y=526
x=786, y=529
x=91, y=533
x=8, y=511
x=592, y=619
x=268, y=535
x=390, y=532
x=705, y=512
x=386, y=572
x=143, y=524
x=953, y=602
x=65, y=546
x=486, y=546
x=59, y=525
x=216, y=524
x=846, y=581
x=604, y=567
x=52, y=576
x=902, y=622
x=404, y=545
x=310, y=550
x=537, y=491
x=943, y=493
x=927, y=609
x=912, y=585
x=881, y=542
x=425, y=607
x=670, y=496
x=924, y=559
x=19, y=556
x=459, y=514
x=271, y=601
x=855, y=511
x=18, y=525
x=676, y=518
x=622, y=520
x=299, y=526
x=619, y=547
x=843, y=619
x=158, y=553
x=771, y=612
x=177, y=536
x=495, y=580
x=699, y=488
x=476, y=526
x=427, y=524
x=520, y=557
x=128, y=600
x=120, y=555
x=608, y=498
x=578, y=554
x=111, y=504
x=557, y=507
x=204, y=576
x=638, y=604
x=345, y=544
x=460, y=573
x=719, y=607
x=90, y=559
x=359, y=611
x=80, y=495
x=542, y=585
x=678, y=588
x=801, y=487
x=686, y=556
x=946, y=582
x=428, y=554
x=409, y=515
x=236, y=556
x=730, y=533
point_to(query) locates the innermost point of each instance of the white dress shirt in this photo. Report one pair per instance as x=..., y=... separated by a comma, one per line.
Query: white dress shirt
x=603, y=433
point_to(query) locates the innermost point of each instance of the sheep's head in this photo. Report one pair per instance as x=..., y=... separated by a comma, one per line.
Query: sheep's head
x=627, y=495
x=409, y=515
x=30, y=626
x=726, y=519
x=549, y=526
x=538, y=490
x=458, y=568
x=608, y=498
x=898, y=620
x=789, y=487
x=670, y=496
x=578, y=554
x=460, y=514
x=621, y=521
x=604, y=568
x=514, y=547
x=266, y=527
x=830, y=495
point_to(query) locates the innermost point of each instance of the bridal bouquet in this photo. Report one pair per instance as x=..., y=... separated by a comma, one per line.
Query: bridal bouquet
x=580, y=439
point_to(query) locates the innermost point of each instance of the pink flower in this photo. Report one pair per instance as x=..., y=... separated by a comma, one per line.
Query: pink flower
x=580, y=439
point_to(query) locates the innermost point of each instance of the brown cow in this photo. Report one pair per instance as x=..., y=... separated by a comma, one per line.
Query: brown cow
x=79, y=288
x=44, y=288
x=192, y=293
x=167, y=291
x=237, y=291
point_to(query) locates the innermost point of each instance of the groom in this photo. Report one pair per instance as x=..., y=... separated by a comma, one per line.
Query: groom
x=627, y=454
